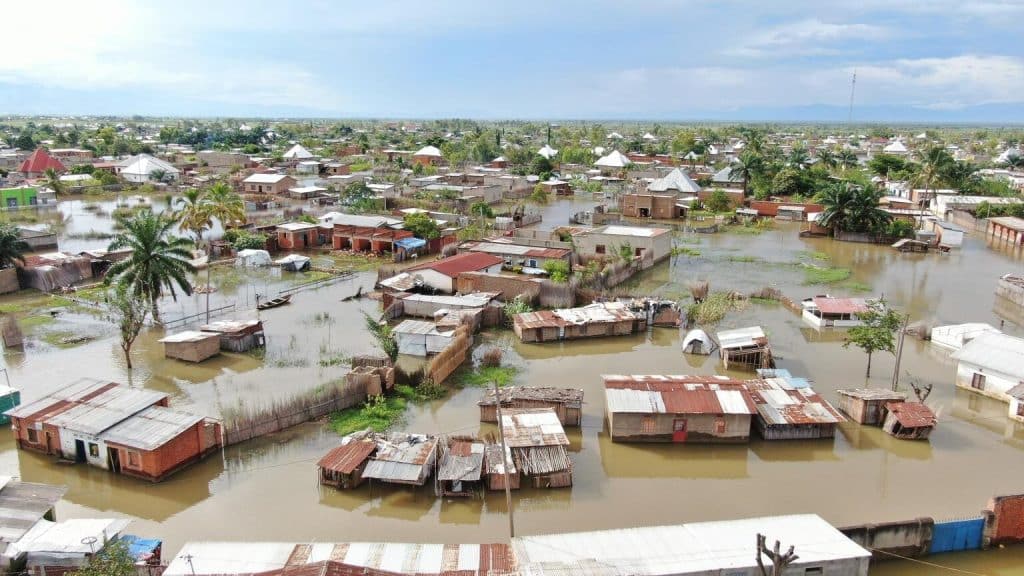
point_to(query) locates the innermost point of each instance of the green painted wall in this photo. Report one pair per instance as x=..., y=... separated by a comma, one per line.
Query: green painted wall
x=16, y=197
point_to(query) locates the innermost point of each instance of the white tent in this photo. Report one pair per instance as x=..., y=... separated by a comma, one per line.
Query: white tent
x=613, y=159
x=675, y=180
x=139, y=168
x=615, y=136
x=697, y=341
x=896, y=147
x=649, y=137
x=253, y=258
x=547, y=151
x=297, y=152
x=428, y=151
x=294, y=262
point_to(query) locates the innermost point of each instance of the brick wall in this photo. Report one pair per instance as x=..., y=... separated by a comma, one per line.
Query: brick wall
x=509, y=286
x=1005, y=520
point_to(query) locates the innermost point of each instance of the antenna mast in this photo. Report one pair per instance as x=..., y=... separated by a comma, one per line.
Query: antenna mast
x=853, y=87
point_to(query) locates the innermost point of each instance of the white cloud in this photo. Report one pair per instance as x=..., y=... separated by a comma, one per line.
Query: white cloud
x=810, y=36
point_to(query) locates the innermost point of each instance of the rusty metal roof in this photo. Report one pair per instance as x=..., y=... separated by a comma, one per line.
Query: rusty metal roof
x=532, y=427
x=539, y=319
x=781, y=406
x=677, y=395
x=912, y=414
x=829, y=305
x=572, y=397
x=62, y=399
x=347, y=457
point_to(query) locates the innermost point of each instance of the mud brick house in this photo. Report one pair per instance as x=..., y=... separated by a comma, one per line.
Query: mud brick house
x=125, y=430
x=297, y=235
x=277, y=184
x=678, y=409
x=375, y=234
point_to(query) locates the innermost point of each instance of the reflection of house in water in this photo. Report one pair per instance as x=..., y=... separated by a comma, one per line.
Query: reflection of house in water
x=865, y=438
x=817, y=450
x=698, y=461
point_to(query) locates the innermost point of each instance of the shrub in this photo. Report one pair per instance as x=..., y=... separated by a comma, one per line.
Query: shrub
x=491, y=358
x=250, y=241
x=558, y=270
x=718, y=201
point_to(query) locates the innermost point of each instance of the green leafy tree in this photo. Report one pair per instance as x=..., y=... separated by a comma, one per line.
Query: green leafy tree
x=901, y=229
x=718, y=201
x=625, y=252
x=852, y=208
x=541, y=166
x=747, y=166
x=886, y=164
x=481, y=209
x=113, y=560
x=129, y=311
x=826, y=158
x=798, y=158
x=962, y=176
x=558, y=270
x=933, y=162
x=422, y=225
x=249, y=241
x=540, y=195
x=791, y=182
x=877, y=332
x=382, y=335
x=12, y=247
x=846, y=158
x=158, y=262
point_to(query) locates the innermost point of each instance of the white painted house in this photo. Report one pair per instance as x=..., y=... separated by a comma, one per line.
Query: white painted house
x=992, y=364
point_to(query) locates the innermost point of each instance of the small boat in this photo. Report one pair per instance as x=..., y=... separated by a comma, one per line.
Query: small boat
x=279, y=301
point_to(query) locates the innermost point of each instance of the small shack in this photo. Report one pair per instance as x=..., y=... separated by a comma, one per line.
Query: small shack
x=566, y=402
x=910, y=245
x=500, y=470
x=745, y=348
x=53, y=548
x=697, y=341
x=786, y=413
x=343, y=466
x=237, y=336
x=538, y=444
x=909, y=420
x=253, y=258
x=158, y=442
x=191, y=345
x=594, y=320
x=677, y=409
x=867, y=405
x=460, y=466
x=402, y=458
x=830, y=312
x=419, y=338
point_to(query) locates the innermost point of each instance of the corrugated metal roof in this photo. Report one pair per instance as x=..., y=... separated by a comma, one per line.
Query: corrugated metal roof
x=994, y=351
x=676, y=395
x=346, y=458
x=23, y=504
x=455, y=265
x=94, y=415
x=621, y=401
x=73, y=392
x=872, y=394
x=151, y=428
x=742, y=337
x=392, y=471
x=464, y=467
x=532, y=427
x=70, y=536
x=188, y=336
x=912, y=414
x=705, y=547
x=779, y=406
x=571, y=397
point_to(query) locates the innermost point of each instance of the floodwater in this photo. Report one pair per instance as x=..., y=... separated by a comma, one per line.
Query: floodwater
x=267, y=490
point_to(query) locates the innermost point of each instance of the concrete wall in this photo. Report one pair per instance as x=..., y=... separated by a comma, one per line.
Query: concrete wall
x=633, y=427
x=996, y=385
x=67, y=447
x=1007, y=290
x=910, y=538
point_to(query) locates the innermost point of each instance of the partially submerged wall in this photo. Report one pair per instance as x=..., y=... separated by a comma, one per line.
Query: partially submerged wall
x=911, y=538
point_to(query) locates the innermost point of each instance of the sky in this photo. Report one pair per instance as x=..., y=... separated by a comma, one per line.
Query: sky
x=742, y=60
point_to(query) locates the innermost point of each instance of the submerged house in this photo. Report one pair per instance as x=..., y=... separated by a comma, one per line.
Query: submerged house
x=343, y=466
x=499, y=470
x=828, y=312
x=421, y=338
x=909, y=420
x=538, y=445
x=129, y=431
x=745, y=348
x=868, y=405
x=402, y=458
x=191, y=345
x=698, y=342
x=787, y=413
x=991, y=364
x=594, y=320
x=566, y=402
x=677, y=409
x=460, y=468
x=237, y=336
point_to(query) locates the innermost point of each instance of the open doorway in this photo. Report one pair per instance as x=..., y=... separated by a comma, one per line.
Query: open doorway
x=79, y=451
x=114, y=459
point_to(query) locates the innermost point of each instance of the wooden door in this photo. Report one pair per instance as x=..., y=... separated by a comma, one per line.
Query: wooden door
x=679, y=430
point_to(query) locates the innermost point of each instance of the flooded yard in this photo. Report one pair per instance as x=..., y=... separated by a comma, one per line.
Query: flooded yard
x=267, y=489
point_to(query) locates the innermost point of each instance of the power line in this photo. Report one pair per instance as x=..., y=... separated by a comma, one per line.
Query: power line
x=931, y=564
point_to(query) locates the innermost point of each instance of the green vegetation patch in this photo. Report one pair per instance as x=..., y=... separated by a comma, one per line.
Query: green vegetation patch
x=483, y=376
x=825, y=275
x=713, y=309
x=425, y=392
x=815, y=255
x=356, y=262
x=378, y=413
x=685, y=251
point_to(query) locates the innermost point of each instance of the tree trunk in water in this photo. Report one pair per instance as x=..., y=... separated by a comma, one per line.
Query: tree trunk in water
x=127, y=355
x=155, y=309
x=869, y=366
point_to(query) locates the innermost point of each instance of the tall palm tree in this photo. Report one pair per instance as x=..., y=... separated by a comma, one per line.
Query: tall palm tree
x=826, y=158
x=851, y=208
x=158, y=175
x=224, y=204
x=932, y=165
x=1014, y=160
x=193, y=213
x=159, y=261
x=747, y=165
x=12, y=247
x=53, y=181
x=846, y=158
x=798, y=158
x=963, y=176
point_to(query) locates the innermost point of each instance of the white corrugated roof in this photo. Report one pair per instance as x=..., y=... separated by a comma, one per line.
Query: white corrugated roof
x=428, y=151
x=67, y=537
x=264, y=178
x=956, y=335
x=634, y=401
x=995, y=351
x=740, y=337
x=674, y=180
x=705, y=547
x=613, y=159
x=297, y=152
x=144, y=165
x=103, y=411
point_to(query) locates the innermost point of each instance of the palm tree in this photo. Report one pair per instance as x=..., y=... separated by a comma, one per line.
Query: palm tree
x=158, y=175
x=193, y=213
x=225, y=205
x=12, y=247
x=847, y=158
x=798, y=158
x=961, y=175
x=158, y=260
x=747, y=165
x=851, y=208
x=53, y=181
x=932, y=165
x=826, y=158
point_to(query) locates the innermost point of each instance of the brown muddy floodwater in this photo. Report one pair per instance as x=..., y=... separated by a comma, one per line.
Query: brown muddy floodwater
x=267, y=490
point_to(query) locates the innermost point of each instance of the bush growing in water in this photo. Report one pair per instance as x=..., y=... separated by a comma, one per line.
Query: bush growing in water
x=249, y=241
x=517, y=305
x=491, y=358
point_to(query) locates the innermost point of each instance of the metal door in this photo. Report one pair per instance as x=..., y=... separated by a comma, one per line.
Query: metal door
x=679, y=430
x=957, y=535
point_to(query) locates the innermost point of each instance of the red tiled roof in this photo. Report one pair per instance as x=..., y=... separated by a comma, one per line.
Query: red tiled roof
x=467, y=262
x=39, y=161
x=345, y=459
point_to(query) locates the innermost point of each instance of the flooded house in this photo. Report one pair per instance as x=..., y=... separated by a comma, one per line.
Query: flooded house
x=591, y=321
x=830, y=312
x=538, y=445
x=697, y=549
x=523, y=252
x=298, y=235
x=786, y=413
x=191, y=345
x=237, y=335
x=955, y=336
x=991, y=364
x=25, y=508
x=63, y=547
x=499, y=470
x=654, y=243
x=361, y=233
x=566, y=402
x=460, y=468
x=420, y=338
x=340, y=559
x=125, y=430
x=270, y=184
x=745, y=349
x=440, y=275
x=868, y=405
x=677, y=409
x=402, y=458
x=430, y=306
x=909, y=420
x=343, y=466
x=698, y=342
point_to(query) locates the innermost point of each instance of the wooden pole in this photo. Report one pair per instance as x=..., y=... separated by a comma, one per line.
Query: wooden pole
x=899, y=353
x=505, y=464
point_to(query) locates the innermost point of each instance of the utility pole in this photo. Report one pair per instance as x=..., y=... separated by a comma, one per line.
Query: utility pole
x=899, y=353
x=208, y=264
x=505, y=463
x=188, y=558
